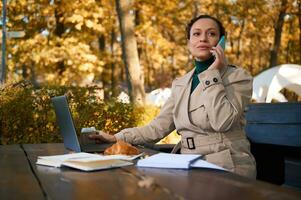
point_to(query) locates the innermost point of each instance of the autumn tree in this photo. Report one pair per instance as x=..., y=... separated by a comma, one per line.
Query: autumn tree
x=278, y=32
x=58, y=46
x=80, y=42
x=130, y=53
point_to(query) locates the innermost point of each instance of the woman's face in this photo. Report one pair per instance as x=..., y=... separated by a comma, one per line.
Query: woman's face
x=204, y=34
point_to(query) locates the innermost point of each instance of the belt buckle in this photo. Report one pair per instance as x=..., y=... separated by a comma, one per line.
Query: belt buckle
x=188, y=139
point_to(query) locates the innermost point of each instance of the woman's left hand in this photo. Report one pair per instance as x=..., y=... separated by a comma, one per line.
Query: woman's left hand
x=220, y=59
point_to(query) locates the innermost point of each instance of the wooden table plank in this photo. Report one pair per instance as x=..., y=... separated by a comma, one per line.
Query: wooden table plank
x=210, y=184
x=123, y=183
x=65, y=183
x=16, y=178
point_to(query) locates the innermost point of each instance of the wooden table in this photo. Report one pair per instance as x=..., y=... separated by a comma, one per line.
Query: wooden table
x=21, y=178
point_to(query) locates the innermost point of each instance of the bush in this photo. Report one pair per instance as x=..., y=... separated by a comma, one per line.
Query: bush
x=27, y=115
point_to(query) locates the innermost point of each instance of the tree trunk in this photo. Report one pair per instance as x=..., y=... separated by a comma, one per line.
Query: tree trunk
x=196, y=8
x=173, y=65
x=130, y=52
x=278, y=31
x=24, y=72
x=59, y=30
x=289, y=43
x=113, y=73
x=239, y=39
x=105, y=73
x=33, y=77
x=148, y=69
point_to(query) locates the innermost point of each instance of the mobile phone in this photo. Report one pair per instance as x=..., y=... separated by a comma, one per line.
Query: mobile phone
x=84, y=136
x=222, y=42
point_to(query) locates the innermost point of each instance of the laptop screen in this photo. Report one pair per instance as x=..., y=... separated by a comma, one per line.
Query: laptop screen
x=65, y=123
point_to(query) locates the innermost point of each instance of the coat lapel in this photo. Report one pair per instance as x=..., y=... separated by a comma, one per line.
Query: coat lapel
x=197, y=98
x=182, y=92
x=184, y=102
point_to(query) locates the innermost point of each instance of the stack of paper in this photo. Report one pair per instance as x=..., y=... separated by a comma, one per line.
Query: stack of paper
x=95, y=164
x=167, y=160
x=176, y=161
x=57, y=160
x=205, y=164
x=86, y=161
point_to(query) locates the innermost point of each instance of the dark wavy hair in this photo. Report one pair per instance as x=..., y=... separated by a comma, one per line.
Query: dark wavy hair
x=219, y=24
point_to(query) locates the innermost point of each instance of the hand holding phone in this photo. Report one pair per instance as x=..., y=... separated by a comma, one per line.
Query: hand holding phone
x=217, y=53
x=222, y=43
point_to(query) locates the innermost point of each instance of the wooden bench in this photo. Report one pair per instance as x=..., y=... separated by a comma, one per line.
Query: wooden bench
x=275, y=134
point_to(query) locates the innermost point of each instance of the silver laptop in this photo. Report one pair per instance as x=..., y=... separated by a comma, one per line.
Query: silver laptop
x=67, y=129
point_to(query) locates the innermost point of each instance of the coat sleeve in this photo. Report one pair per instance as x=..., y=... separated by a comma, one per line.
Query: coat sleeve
x=226, y=98
x=158, y=128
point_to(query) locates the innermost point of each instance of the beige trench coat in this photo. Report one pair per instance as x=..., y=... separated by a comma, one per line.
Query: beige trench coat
x=210, y=120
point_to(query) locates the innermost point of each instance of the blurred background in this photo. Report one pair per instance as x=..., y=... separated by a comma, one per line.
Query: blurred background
x=133, y=49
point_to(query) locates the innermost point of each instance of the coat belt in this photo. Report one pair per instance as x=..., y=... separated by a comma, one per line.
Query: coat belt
x=191, y=142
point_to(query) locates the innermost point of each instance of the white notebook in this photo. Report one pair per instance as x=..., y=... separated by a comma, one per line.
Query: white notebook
x=86, y=161
x=176, y=161
x=205, y=164
x=95, y=164
x=167, y=160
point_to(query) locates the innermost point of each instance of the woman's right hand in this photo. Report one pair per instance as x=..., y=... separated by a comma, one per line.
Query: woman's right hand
x=103, y=137
x=220, y=59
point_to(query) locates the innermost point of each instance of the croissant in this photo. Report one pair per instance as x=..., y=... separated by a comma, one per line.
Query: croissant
x=121, y=147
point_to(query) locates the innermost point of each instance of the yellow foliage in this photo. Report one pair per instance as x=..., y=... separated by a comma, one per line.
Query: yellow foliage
x=33, y=119
x=67, y=41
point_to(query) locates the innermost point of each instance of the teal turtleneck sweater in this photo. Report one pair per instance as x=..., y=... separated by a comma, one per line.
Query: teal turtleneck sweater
x=200, y=66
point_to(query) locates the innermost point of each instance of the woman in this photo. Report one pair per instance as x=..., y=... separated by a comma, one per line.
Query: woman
x=206, y=105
